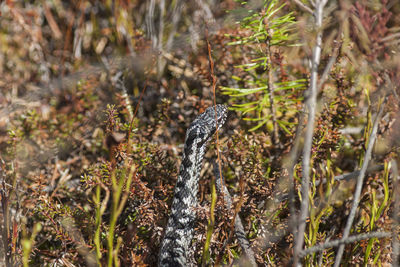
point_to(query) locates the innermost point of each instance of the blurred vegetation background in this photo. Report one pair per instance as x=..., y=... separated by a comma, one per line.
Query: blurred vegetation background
x=96, y=96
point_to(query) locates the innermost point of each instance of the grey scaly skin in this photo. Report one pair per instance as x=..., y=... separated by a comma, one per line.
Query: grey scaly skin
x=179, y=231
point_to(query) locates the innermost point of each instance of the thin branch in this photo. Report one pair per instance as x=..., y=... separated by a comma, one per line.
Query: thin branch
x=161, y=63
x=272, y=203
x=351, y=175
x=303, y=6
x=5, y=201
x=396, y=219
x=271, y=89
x=311, y=103
x=390, y=37
x=176, y=16
x=348, y=240
x=150, y=23
x=290, y=164
x=359, y=185
x=328, y=67
x=211, y=222
x=239, y=229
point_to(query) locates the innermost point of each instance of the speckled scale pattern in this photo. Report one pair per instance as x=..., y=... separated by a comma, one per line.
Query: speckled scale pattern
x=179, y=232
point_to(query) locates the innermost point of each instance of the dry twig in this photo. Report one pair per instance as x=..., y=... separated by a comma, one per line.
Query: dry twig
x=396, y=189
x=303, y=6
x=239, y=229
x=311, y=103
x=344, y=241
x=359, y=185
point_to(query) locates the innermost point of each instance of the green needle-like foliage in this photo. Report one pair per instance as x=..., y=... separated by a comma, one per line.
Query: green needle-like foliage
x=268, y=97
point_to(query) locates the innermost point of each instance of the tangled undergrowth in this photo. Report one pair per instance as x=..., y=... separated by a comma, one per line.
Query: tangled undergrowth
x=96, y=97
